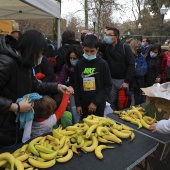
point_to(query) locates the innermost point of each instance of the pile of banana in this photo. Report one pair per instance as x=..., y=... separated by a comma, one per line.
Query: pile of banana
x=43, y=152
x=136, y=115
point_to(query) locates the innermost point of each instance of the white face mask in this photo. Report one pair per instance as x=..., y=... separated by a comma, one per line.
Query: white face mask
x=39, y=61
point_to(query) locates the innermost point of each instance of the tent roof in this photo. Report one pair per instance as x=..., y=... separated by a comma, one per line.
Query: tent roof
x=29, y=9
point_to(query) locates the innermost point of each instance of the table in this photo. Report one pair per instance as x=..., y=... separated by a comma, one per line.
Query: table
x=123, y=157
x=162, y=138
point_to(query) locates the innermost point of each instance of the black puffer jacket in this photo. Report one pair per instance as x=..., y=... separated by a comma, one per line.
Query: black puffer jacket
x=16, y=80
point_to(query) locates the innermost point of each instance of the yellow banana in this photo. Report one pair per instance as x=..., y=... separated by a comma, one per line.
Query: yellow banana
x=92, y=147
x=127, y=131
x=109, y=121
x=23, y=148
x=66, y=158
x=124, y=127
x=79, y=145
x=49, y=137
x=16, y=153
x=26, y=165
x=80, y=131
x=135, y=112
x=43, y=149
x=136, y=122
x=145, y=125
x=90, y=122
x=118, y=127
x=31, y=145
x=117, y=112
x=74, y=149
x=120, y=134
x=102, y=140
x=65, y=148
x=42, y=140
x=9, y=157
x=71, y=128
x=87, y=143
x=30, y=168
x=62, y=141
x=18, y=164
x=49, y=156
x=22, y=157
x=57, y=134
x=3, y=162
x=132, y=136
x=85, y=127
x=149, y=120
x=56, y=141
x=113, y=138
x=98, y=150
x=41, y=165
x=68, y=133
x=102, y=131
x=90, y=130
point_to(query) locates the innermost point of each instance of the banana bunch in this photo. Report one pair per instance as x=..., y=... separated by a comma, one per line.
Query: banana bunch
x=90, y=136
x=137, y=116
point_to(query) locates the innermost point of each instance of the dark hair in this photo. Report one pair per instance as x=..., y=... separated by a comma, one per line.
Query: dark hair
x=29, y=45
x=44, y=107
x=67, y=36
x=77, y=50
x=115, y=30
x=91, y=41
x=154, y=47
x=19, y=33
x=147, y=40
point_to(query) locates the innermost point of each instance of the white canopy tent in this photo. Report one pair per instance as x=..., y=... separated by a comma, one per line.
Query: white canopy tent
x=30, y=9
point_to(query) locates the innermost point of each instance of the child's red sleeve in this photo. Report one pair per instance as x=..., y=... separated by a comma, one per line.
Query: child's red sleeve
x=62, y=108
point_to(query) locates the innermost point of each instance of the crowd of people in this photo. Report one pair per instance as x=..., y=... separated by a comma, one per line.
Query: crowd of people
x=74, y=80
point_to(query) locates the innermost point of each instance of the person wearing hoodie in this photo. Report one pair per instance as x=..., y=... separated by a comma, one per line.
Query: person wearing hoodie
x=16, y=80
x=68, y=40
x=92, y=83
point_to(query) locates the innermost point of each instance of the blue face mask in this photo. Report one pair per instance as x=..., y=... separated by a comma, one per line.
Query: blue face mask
x=108, y=39
x=152, y=54
x=91, y=57
x=143, y=44
x=73, y=62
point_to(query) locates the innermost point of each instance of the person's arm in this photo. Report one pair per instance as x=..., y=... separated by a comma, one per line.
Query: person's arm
x=62, y=78
x=163, y=126
x=62, y=108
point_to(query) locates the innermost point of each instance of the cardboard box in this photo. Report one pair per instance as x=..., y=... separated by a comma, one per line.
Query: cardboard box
x=156, y=105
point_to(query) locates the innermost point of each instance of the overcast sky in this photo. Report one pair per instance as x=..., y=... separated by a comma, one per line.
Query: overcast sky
x=71, y=6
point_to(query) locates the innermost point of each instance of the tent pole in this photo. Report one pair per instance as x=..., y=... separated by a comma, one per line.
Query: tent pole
x=58, y=32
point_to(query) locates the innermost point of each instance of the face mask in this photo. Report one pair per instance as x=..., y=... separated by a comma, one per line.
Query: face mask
x=74, y=62
x=91, y=57
x=39, y=61
x=152, y=54
x=143, y=44
x=108, y=39
x=166, y=43
x=138, y=51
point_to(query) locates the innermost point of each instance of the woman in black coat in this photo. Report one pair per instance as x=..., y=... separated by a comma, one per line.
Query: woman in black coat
x=16, y=80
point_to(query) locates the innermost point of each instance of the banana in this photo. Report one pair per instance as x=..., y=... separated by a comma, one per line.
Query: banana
x=3, y=162
x=42, y=140
x=90, y=130
x=120, y=134
x=62, y=141
x=132, y=136
x=136, y=122
x=9, y=157
x=135, y=112
x=102, y=140
x=18, y=164
x=80, y=131
x=102, y=131
x=16, y=153
x=26, y=165
x=65, y=148
x=109, y=121
x=118, y=127
x=49, y=156
x=71, y=128
x=43, y=149
x=98, y=150
x=31, y=145
x=57, y=134
x=30, y=168
x=127, y=131
x=124, y=127
x=113, y=138
x=85, y=127
x=23, y=148
x=90, y=122
x=149, y=120
x=87, y=143
x=41, y=165
x=68, y=133
x=92, y=147
x=145, y=125
x=117, y=112
x=50, y=138
x=22, y=157
x=74, y=149
x=66, y=158
x=56, y=141
x=79, y=145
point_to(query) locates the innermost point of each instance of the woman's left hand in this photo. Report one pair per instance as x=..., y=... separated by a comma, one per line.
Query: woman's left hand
x=65, y=89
